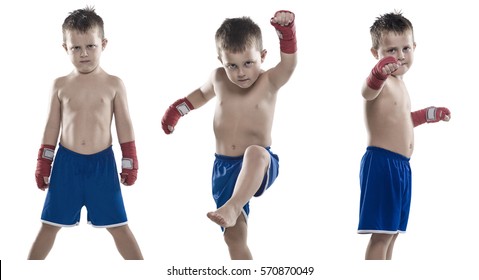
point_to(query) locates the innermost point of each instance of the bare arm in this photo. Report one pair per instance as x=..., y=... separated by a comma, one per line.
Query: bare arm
x=181, y=107
x=49, y=140
x=54, y=119
x=281, y=73
x=202, y=95
x=283, y=21
x=375, y=82
x=124, y=127
x=369, y=93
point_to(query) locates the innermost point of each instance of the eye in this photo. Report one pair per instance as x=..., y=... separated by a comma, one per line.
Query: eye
x=391, y=51
x=407, y=49
x=91, y=46
x=231, y=66
x=248, y=64
x=75, y=49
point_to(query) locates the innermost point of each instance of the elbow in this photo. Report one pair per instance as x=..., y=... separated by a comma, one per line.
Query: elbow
x=368, y=93
x=368, y=97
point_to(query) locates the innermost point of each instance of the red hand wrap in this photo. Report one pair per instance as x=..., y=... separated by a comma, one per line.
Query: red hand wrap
x=430, y=115
x=129, y=163
x=176, y=110
x=286, y=34
x=377, y=77
x=44, y=165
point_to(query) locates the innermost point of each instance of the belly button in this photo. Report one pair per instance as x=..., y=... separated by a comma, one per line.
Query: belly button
x=233, y=147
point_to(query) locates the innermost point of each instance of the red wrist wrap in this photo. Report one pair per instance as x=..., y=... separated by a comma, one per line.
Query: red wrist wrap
x=287, y=35
x=44, y=164
x=129, y=163
x=430, y=115
x=377, y=77
x=176, y=110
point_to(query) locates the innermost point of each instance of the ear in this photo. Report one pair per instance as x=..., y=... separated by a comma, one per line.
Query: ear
x=219, y=58
x=414, y=46
x=375, y=53
x=65, y=47
x=104, y=42
x=263, y=55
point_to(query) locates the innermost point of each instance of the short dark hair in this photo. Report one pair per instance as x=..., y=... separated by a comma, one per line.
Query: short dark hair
x=390, y=22
x=83, y=20
x=236, y=34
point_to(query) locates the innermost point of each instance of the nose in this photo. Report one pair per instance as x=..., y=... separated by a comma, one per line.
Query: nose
x=84, y=53
x=400, y=55
x=240, y=72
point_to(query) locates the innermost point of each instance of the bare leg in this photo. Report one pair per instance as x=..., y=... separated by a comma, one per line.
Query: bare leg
x=236, y=239
x=380, y=246
x=389, y=253
x=255, y=163
x=126, y=243
x=44, y=242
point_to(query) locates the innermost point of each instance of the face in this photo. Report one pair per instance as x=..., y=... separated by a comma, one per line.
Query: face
x=84, y=49
x=400, y=46
x=244, y=68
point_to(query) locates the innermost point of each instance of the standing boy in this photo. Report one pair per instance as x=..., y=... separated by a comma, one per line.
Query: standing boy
x=246, y=96
x=385, y=174
x=82, y=107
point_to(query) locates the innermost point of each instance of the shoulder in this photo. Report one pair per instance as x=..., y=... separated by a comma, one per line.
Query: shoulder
x=111, y=79
x=61, y=82
x=114, y=82
x=218, y=75
x=116, y=85
x=218, y=72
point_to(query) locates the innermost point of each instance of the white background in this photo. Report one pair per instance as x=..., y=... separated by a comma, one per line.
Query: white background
x=163, y=51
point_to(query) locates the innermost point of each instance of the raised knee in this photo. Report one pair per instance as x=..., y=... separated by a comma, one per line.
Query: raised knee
x=256, y=152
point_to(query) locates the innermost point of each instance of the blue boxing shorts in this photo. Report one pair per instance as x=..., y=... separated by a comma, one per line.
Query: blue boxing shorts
x=225, y=173
x=385, y=180
x=79, y=180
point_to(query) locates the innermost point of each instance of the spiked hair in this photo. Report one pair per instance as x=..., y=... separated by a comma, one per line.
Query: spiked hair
x=390, y=22
x=237, y=34
x=83, y=20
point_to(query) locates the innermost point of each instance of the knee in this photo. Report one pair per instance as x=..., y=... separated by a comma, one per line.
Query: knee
x=257, y=153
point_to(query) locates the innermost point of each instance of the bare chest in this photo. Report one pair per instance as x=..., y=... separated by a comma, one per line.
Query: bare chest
x=86, y=100
x=248, y=108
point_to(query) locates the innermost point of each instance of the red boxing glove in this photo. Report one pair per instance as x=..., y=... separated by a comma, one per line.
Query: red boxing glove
x=430, y=115
x=377, y=77
x=44, y=165
x=286, y=34
x=176, y=110
x=129, y=163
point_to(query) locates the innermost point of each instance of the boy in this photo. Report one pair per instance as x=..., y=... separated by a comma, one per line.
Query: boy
x=84, y=173
x=246, y=96
x=385, y=175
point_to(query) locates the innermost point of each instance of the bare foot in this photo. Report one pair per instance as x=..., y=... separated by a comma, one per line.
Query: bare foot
x=224, y=216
